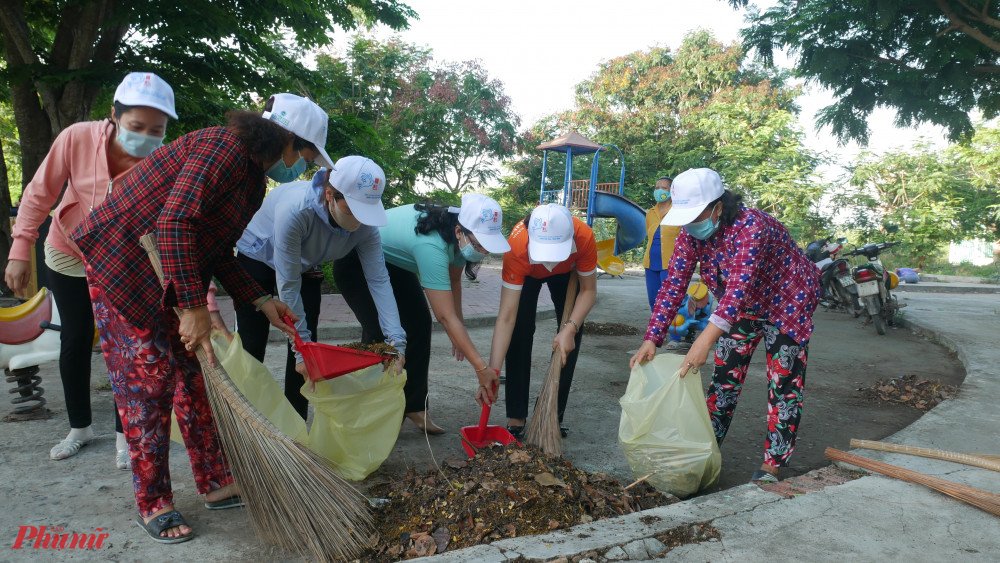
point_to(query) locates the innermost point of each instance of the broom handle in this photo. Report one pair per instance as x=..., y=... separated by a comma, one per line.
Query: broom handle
x=574, y=281
x=967, y=459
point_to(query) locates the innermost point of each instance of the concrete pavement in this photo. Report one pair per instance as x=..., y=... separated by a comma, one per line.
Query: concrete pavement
x=874, y=518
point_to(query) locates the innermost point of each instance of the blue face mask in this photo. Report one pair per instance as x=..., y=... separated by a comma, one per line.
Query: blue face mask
x=702, y=230
x=137, y=144
x=661, y=195
x=282, y=174
x=470, y=253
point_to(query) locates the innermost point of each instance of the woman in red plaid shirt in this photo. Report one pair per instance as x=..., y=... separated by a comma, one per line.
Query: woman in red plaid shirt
x=197, y=194
x=767, y=289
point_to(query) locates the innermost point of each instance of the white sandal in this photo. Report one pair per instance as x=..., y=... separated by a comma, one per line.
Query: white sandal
x=123, y=461
x=67, y=448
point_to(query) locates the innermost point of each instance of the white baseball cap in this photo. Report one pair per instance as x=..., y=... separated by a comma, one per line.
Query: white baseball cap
x=482, y=215
x=304, y=118
x=550, y=233
x=146, y=89
x=362, y=183
x=691, y=192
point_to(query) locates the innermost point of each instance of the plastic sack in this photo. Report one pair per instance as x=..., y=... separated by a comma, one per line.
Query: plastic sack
x=665, y=428
x=255, y=381
x=357, y=418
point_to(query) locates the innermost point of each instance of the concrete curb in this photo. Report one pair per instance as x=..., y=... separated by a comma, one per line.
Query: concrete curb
x=944, y=288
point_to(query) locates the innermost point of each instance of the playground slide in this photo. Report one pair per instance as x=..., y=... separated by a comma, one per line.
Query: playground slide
x=631, y=231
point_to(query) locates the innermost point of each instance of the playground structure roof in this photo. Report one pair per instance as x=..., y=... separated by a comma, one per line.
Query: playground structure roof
x=572, y=139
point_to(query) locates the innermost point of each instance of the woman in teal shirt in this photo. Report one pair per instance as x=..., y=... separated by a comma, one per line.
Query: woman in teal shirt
x=428, y=247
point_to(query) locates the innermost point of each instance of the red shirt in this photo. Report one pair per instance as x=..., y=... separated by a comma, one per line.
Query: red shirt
x=517, y=265
x=197, y=194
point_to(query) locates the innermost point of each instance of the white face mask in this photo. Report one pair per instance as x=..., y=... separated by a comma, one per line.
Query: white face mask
x=347, y=222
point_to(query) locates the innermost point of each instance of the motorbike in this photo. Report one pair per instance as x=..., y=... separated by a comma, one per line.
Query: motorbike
x=836, y=279
x=874, y=284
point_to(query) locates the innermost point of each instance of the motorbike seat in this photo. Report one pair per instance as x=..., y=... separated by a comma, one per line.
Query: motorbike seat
x=21, y=324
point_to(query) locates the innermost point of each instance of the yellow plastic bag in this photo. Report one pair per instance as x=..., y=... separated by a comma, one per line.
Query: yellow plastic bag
x=255, y=381
x=357, y=419
x=665, y=428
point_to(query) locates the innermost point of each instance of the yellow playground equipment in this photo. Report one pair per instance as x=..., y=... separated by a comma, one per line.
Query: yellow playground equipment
x=606, y=258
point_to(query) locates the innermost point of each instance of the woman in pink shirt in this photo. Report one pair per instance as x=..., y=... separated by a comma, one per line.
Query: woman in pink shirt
x=767, y=289
x=89, y=159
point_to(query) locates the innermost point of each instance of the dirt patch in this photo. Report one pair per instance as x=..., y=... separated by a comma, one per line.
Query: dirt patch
x=921, y=394
x=690, y=533
x=609, y=329
x=503, y=492
x=380, y=348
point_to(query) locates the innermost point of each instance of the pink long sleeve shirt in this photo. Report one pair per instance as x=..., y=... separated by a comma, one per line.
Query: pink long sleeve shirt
x=750, y=266
x=78, y=160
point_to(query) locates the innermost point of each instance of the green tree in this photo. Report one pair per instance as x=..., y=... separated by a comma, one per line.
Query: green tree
x=62, y=54
x=933, y=196
x=440, y=122
x=929, y=60
x=702, y=106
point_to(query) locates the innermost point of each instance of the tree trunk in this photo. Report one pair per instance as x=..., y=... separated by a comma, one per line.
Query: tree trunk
x=5, y=205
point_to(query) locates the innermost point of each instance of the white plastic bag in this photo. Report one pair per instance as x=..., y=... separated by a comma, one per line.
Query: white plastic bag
x=665, y=429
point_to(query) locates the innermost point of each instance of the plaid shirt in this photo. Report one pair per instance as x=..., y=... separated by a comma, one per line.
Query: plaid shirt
x=752, y=265
x=197, y=194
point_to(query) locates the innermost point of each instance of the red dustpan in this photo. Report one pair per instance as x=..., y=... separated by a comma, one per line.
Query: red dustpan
x=478, y=437
x=324, y=361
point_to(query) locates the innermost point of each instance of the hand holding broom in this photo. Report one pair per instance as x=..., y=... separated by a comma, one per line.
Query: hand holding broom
x=294, y=498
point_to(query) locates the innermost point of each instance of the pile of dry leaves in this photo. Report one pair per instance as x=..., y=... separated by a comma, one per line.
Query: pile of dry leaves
x=503, y=492
x=610, y=329
x=922, y=394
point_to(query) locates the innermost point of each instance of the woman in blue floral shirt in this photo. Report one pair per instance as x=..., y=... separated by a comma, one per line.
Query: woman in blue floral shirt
x=766, y=288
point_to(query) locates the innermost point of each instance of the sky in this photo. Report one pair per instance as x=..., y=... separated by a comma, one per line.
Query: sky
x=541, y=49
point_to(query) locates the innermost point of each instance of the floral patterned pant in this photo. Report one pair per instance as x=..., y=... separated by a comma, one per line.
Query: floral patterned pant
x=151, y=373
x=786, y=371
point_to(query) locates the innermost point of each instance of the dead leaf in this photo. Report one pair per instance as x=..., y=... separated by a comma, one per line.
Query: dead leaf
x=549, y=480
x=456, y=463
x=424, y=546
x=519, y=456
x=441, y=537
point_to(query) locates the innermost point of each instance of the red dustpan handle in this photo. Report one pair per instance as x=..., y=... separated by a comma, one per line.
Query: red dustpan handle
x=485, y=416
x=298, y=339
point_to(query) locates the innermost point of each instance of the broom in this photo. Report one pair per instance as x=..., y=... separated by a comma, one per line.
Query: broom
x=984, y=500
x=543, y=430
x=293, y=496
x=967, y=459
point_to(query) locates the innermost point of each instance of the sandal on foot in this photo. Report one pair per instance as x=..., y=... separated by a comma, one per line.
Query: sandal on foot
x=516, y=431
x=232, y=502
x=122, y=460
x=67, y=448
x=761, y=476
x=563, y=430
x=157, y=525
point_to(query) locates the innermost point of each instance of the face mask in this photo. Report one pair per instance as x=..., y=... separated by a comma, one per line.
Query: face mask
x=282, y=174
x=702, y=230
x=137, y=144
x=470, y=253
x=661, y=195
x=347, y=222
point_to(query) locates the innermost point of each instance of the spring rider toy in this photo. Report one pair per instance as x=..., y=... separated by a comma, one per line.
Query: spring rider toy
x=692, y=315
x=29, y=336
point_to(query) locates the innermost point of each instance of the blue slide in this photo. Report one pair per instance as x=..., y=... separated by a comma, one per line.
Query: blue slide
x=631, y=231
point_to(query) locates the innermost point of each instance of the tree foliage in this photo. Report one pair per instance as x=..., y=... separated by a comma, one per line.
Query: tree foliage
x=62, y=54
x=702, y=106
x=933, y=196
x=929, y=60
x=444, y=123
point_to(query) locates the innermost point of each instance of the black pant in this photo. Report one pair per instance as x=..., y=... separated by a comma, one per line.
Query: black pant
x=518, y=358
x=254, y=328
x=76, y=344
x=414, y=316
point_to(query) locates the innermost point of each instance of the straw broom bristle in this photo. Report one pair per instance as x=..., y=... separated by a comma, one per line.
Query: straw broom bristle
x=967, y=459
x=983, y=500
x=294, y=498
x=543, y=429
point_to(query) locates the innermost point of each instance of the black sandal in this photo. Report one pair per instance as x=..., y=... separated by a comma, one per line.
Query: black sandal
x=516, y=431
x=165, y=521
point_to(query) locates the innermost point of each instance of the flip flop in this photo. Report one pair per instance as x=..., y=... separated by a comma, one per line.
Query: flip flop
x=761, y=476
x=162, y=522
x=232, y=502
